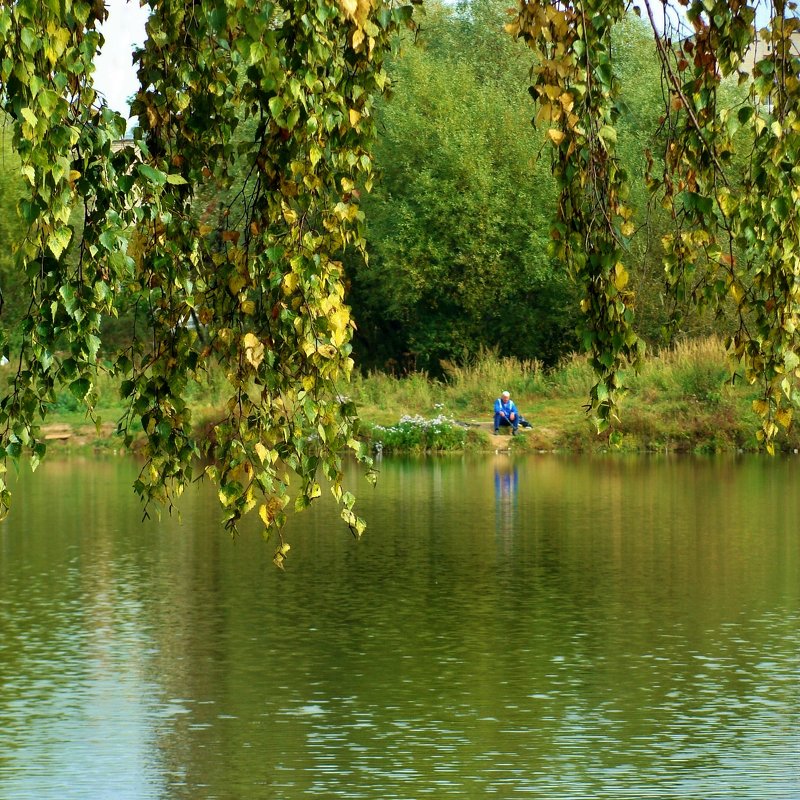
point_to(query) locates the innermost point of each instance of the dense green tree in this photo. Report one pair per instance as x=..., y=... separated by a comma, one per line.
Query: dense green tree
x=459, y=255
x=466, y=195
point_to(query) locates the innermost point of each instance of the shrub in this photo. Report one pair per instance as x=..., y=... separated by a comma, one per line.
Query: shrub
x=417, y=435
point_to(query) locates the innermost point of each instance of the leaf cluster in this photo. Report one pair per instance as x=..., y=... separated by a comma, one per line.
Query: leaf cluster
x=725, y=175
x=219, y=228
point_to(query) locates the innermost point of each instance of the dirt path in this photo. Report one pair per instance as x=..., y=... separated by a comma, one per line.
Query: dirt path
x=501, y=440
x=76, y=434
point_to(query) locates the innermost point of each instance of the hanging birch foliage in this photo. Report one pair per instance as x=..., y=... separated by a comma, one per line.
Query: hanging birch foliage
x=734, y=237
x=282, y=93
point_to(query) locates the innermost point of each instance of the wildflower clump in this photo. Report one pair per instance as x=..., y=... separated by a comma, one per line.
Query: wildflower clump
x=420, y=435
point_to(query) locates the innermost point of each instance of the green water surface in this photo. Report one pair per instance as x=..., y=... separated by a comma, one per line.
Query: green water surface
x=538, y=628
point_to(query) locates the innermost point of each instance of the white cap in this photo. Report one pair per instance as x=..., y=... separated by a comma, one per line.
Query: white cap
x=506, y=394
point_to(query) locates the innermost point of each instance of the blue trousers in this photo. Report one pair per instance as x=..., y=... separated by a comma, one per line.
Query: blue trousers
x=500, y=420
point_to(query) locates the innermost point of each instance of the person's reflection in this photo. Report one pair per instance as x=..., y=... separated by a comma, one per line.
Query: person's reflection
x=506, y=481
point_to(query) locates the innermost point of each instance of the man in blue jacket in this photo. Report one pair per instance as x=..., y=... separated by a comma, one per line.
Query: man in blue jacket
x=505, y=413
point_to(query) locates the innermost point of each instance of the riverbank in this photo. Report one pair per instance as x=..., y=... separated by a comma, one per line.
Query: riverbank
x=680, y=402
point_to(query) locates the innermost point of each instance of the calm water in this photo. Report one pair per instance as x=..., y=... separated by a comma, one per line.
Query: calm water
x=542, y=628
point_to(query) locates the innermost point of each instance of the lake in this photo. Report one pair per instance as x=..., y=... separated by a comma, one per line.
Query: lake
x=544, y=627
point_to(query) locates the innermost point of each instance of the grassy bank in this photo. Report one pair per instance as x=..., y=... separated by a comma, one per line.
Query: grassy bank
x=680, y=402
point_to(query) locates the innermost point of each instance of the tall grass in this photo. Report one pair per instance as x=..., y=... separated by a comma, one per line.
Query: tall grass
x=476, y=384
x=679, y=401
x=573, y=377
x=384, y=398
x=695, y=369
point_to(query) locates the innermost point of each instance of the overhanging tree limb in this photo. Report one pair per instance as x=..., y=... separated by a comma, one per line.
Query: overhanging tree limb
x=281, y=93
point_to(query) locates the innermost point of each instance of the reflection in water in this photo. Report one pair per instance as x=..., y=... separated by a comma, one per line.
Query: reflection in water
x=537, y=628
x=75, y=700
x=506, y=482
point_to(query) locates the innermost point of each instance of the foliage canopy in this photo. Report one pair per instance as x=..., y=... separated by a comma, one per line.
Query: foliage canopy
x=457, y=227
x=733, y=226
x=280, y=92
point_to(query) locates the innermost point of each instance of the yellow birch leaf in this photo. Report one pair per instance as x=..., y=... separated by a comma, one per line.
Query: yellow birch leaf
x=253, y=349
x=556, y=136
x=620, y=276
x=545, y=113
x=363, y=7
x=760, y=407
x=236, y=283
x=289, y=214
x=349, y=7
x=340, y=319
x=290, y=281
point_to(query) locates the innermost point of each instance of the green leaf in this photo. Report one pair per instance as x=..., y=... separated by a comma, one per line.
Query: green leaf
x=276, y=106
x=153, y=175
x=28, y=210
x=93, y=345
x=30, y=41
x=608, y=134
x=229, y=493
x=48, y=101
x=59, y=240
x=257, y=52
x=218, y=18
x=80, y=388
x=108, y=239
x=68, y=296
x=29, y=117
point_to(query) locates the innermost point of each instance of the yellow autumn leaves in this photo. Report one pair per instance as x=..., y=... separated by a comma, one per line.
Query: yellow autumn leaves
x=339, y=324
x=358, y=11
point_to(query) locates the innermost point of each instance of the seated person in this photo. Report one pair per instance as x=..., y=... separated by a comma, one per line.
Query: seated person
x=505, y=413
